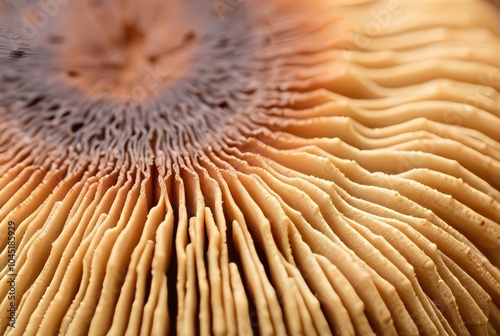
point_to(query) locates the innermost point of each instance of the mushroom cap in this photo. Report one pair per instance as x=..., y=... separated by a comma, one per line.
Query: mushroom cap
x=227, y=167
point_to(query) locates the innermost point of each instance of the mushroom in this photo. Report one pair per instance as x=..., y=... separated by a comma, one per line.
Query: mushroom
x=228, y=167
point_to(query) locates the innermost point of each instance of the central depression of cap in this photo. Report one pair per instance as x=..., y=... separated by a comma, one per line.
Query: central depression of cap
x=100, y=75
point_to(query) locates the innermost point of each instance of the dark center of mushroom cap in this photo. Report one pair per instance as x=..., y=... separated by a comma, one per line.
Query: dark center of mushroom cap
x=133, y=57
x=103, y=76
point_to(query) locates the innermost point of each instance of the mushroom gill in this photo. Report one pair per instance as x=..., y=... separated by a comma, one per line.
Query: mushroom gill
x=228, y=167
